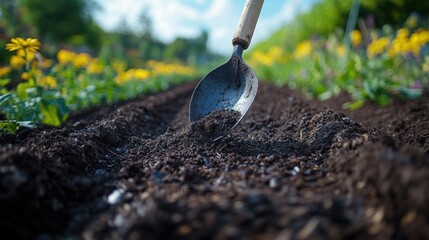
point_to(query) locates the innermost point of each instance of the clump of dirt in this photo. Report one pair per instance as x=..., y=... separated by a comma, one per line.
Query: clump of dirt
x=289, y=170
x=215, y=125
x=411, y=128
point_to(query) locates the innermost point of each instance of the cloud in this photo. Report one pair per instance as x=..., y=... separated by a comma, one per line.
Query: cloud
x=267, y=25
x=114, y=11
x=177, y=19
x=221, y=18
x=169, y=17
x=172, y=18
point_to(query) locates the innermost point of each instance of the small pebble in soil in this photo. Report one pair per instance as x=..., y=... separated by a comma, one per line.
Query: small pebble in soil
x=216, y=125
x=115, y=196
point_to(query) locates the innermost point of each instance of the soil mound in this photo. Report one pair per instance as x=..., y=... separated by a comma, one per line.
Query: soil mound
x=292, y=168
x=215, y=125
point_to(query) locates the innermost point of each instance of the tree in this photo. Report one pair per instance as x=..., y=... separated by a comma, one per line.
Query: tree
x=145, y=23
x=8, y=10
x=393, y=12
x=178, y=49
x=63, y=20
x=190, y=50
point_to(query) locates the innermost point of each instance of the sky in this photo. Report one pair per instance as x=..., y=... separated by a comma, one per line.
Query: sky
x=187, y=18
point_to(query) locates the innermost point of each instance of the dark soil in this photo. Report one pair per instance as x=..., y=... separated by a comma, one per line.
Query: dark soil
x=215, y=125
x=292, y=169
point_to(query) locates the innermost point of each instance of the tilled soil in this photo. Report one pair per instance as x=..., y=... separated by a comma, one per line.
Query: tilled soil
x=292, y=169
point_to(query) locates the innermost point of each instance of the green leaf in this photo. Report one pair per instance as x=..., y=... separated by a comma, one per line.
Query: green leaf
x=410, y=93
x=26, y=124
x=383, y=100
x=5, y=97
x=63, y=109
x=4, y=82
x=368, y=89
x=22, y=90
x=8, y=127
x=54, y=112
x=354, y=105
x=50, y=114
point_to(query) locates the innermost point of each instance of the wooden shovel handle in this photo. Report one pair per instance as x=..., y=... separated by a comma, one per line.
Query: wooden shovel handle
x=249, y=17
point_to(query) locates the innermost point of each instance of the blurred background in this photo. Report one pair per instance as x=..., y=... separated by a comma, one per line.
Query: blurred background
x=193, y=31
x=98, y=51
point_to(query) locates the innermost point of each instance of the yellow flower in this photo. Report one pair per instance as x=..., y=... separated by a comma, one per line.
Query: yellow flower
x=398, y=46
x=133, y=74
x=4, y=71
x=65, y=56
x=81, y=60
x=25, y=75
x=418, y=40
x=274, y=55
x=36, y=73
x=402, y=33
x=94, y=67
x=161, y=68
x=403, y=44
x=155, y=68
x=26, y=50
x=119, y=66
x=377, y=46
x=121, y=78
x=355, y=37
x=260, y=58
x=341, y=50
x=141, y=74
x=47, y=81
x=46, y=63
x=303, y=49
x=16, y=62
x=27, y=45
x=26, y=55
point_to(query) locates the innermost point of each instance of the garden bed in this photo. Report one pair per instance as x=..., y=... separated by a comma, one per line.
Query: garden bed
x=292, y=168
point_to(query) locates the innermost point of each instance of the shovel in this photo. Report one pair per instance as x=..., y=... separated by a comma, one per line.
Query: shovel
x=233, y=85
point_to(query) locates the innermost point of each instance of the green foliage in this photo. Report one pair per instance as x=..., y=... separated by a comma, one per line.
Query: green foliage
x=135, y=48
x=324, y=18
x=177, y=49
x=62, y=20
x=309, y=53
x=328, y=16
x=8, y=126
x=75, y=82
x=53, y=109
x=393, y=65
x=33, y=104
x=393, y=12
x=5, y=97
x=70, y=23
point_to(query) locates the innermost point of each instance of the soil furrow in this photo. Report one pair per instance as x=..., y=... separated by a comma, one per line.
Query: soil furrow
x=292, y=169
x=75, y=167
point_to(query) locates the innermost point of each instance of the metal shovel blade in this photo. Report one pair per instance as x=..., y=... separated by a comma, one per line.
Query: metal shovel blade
x=231, y=86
